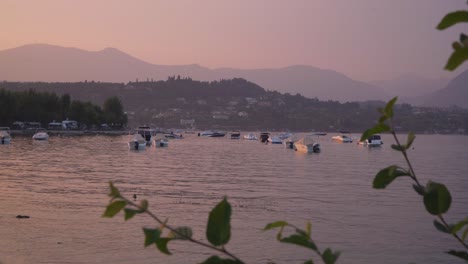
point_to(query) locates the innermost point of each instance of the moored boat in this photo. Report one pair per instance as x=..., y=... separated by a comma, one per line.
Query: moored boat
x=235, y=135
x=40, y=134
x=264, y=136
x=343, y=138
x=251, y=136
x=307, y=145
x=372, y=141
x=146, y=133
x=161, y=142
x=136, y=142
x=5, y=137
x=275, y=140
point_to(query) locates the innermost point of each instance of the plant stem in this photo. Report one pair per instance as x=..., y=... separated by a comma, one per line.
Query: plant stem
x=222, y=250
x=405, y=154
x=454, y=234
x=413, y=176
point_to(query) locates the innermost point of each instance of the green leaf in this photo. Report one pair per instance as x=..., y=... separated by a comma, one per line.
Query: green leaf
x=458, y=226
x=388, y=110
x=437, y=198
x=419, y=189
x=218, y=231
x=387, y=175
x=410, y=140
x=439, y=226
x=114, y=208
x=218, y=260
x=182, y=233
x=114, y=192
x=398, y=147
x=309, y=262
x=130, y=213
x=151, y=236
x=379, y=128
x=461, y=254
x=275, y=225
x=299, y=240
x=161, y=243
x=452, y=19
x=329, y=257
x=457, y=58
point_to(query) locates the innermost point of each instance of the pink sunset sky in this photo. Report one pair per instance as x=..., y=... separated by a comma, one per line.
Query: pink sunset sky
x=364, y=39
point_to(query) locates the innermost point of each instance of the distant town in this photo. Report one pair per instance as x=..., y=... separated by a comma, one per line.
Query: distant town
x=183, y=103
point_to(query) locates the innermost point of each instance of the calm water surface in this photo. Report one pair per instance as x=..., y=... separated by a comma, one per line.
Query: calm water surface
x=62, y=184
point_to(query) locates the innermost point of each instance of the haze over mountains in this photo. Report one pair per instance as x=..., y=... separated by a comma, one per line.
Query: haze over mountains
x=41, y=62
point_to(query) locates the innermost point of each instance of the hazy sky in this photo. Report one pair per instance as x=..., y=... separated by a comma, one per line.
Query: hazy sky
x=364, y=39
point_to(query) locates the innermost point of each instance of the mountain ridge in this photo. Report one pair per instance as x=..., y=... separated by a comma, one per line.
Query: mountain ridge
x=51, y=63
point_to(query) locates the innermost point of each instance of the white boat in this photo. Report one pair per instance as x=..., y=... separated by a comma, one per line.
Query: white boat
x=136, y=142
x=161, y=142
x=343, y=139
x=275, y=140
x=40, y=134
x=307, y=145
x=372, y=141
x=251, y=136
x=146, y=133
x=5, y=137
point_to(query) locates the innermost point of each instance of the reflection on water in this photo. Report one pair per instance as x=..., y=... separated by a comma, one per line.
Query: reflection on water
x=62, y=184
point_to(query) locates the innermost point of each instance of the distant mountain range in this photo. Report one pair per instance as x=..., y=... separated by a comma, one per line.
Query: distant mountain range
x=41, y=62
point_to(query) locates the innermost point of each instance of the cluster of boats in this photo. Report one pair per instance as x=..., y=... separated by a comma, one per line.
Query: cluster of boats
x=145, y=136
x=5, y=135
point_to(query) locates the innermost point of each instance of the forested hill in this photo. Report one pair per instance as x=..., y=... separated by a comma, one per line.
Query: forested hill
x=239, y=104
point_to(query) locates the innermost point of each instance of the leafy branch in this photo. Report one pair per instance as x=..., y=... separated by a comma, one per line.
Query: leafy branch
x=460, y=49
x=218, y=230
x=436, y=196
x=303, y=238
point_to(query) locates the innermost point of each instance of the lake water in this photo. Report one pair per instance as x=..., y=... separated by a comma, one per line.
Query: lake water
x=63, y=184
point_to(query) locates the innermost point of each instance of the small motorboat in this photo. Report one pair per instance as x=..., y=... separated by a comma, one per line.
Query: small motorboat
x=251, y=136
x=372, y=141
x=137, y=142
x=264, y=136
x=217, y=134
x=275, y=140
x=161, y=142
x=40, y=134
x=307, y=145
x=235, y=135
x=206, y=133
x=146, y=133
x=343, y=139
x=5, y=137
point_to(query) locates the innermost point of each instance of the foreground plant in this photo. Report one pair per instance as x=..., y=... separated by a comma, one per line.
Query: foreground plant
x=436, y=196
x=460, y=49
x=218, y=230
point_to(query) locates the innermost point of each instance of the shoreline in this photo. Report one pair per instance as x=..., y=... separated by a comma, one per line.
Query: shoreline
x=73, y=132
